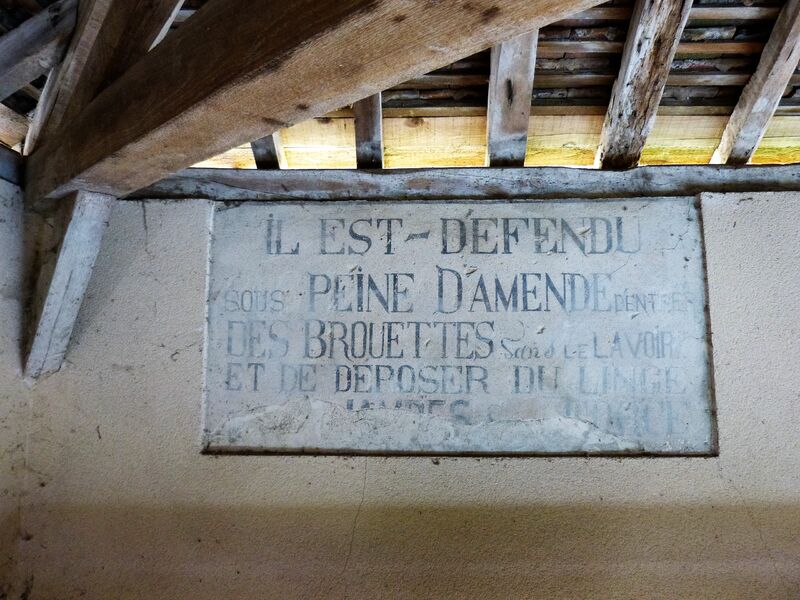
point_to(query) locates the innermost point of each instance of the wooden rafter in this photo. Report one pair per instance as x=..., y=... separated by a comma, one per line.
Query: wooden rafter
x=268, y=152
x=368, y=115
x=110, y=36
x=294, y=61
x=509, y=106
x=34, y=47
x=764, y=90
x=653, y=37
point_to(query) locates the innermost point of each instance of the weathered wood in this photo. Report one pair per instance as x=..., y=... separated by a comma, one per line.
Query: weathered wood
x=698, y=14
x=653, y=37
x=368, y=117
x=13, y=126
x=294, y=61
x=30, y=68
x=111, y=35
x=31, y=49
x=10, y=166
x=763, y=92
x=557, y=49
x=439, y=184
x=509, y=106
x=66, y=288
x=268, y=152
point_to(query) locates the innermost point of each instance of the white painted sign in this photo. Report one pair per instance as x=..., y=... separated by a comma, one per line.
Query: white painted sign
x=458, y=327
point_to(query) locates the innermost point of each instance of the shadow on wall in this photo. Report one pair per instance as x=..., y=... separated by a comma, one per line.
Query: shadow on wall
x=554, y=552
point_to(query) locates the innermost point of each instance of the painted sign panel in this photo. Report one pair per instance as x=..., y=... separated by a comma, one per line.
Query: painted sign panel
x=518, y=327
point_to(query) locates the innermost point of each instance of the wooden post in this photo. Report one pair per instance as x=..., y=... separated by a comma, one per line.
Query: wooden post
x=71, y=271
x=509, y=107
x=369, y=132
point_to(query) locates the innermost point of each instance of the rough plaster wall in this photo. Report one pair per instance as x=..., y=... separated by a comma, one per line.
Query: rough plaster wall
x=13, y=397
x=121, y=504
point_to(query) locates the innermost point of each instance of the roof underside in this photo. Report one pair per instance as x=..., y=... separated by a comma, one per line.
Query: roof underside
x=439, y=120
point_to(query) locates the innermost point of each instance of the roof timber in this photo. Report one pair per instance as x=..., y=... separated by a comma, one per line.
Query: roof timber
x=174, y=107
x=110, y=36
x=443, y=184
x=31, y=49
x=509, y=106
x=653, y=37
x=368, y=117
x=764, y=90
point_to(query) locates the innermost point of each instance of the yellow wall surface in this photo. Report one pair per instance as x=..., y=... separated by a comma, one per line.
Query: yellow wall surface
x=118, y=502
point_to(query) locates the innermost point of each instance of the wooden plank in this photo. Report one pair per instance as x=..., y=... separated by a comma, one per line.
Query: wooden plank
x=66, y=288
x=563, y=140
x=557, y=49
x=328, y=143
x=653, y=37
x=368, y=114
x=435, y=142
x=763, y=92
x=509, y=106
x=699, y=15
x=31, y=49
x=13, y=126
x=441, y=184
x=30, y=68
x=682, y=139
x=268, y=152
x=111, y=36
x=292, y=60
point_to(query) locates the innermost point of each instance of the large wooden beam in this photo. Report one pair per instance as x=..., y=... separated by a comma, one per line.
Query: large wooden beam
x=444, y=184
x=368, y=115
x=110, y=36
x=71, y=270
x=292, y=60
x=763, y=91
x=653, y=37
x=509, y=108
x=34, y=47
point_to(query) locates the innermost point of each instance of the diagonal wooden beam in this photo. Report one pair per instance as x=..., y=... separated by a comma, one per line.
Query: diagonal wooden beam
x=71, y=270
x=368, y=114
x=34, y=47
x=110, y=36
x=293, y=60
x=509, y=107
x=763, y=92
x=268, y=152
x=653, y=37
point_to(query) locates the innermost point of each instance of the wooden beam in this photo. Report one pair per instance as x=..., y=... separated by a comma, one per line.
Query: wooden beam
x=509, y=107
x=442, y=184
x=368, y=115
x=294, y=61
x=34, y=47
x=653, y=37
x=71, y=272
x=763, y=92
x=111, y=35
x=268, y=152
